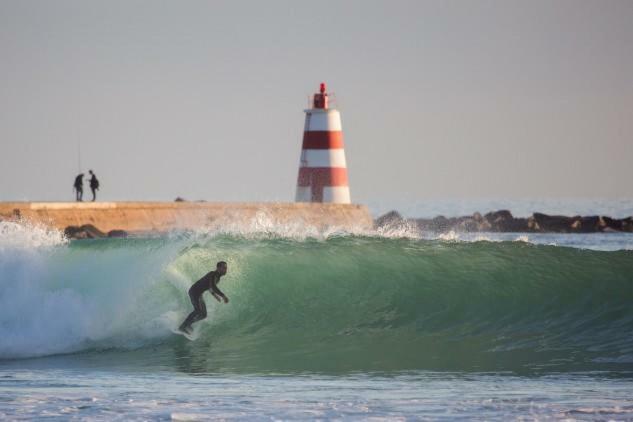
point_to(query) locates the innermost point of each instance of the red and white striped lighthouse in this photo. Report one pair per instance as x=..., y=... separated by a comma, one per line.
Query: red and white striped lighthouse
x=322, y=169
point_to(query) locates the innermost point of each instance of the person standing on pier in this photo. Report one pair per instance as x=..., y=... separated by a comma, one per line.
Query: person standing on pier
x=94, y=185
x=79, y=187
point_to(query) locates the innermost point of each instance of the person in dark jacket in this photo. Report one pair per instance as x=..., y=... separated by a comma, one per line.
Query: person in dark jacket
x=94, y=185
x=79, y=187
x=208, y=282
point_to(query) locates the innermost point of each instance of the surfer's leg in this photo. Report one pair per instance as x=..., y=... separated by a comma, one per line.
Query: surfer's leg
x=199, y=312
x=186, y=325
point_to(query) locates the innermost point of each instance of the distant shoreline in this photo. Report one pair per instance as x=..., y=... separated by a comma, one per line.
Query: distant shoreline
x=503, y=221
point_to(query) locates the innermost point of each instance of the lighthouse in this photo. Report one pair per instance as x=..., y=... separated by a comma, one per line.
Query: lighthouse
x=322, y=167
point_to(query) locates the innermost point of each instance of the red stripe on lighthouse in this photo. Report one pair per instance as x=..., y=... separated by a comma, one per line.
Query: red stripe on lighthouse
x=318, y=178
x=322, y=176
x=323, y=140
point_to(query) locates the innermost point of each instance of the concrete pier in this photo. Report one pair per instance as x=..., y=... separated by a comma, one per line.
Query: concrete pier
x=161, y=217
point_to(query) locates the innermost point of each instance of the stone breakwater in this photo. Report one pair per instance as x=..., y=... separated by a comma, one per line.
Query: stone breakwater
x=118, y=219
x=504, y=221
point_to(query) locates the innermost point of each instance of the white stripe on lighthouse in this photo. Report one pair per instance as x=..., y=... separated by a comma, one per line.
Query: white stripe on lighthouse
x=323, y=120
x=323, y=158
x=336, y=194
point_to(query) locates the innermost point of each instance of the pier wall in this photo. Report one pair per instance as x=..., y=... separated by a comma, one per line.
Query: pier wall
x=160, y=217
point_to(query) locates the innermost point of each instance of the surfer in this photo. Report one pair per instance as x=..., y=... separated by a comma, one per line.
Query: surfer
x=208, y=282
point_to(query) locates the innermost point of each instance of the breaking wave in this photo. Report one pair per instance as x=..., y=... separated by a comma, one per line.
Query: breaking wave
x=333, y=302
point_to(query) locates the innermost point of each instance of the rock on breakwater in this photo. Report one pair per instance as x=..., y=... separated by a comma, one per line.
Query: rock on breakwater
x=504, y=221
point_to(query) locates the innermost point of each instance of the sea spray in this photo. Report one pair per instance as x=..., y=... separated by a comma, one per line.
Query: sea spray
x=60, y=297
x=28, y=236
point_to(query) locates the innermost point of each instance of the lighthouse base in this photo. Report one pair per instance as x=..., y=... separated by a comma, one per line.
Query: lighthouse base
x=331, y=194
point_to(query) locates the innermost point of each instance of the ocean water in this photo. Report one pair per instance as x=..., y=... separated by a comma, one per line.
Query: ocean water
x=321, y=325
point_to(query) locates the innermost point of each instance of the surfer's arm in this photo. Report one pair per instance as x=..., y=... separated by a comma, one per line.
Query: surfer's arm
x=217, y=293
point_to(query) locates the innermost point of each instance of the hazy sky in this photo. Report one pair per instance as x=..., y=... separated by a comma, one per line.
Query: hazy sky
x=204, y=100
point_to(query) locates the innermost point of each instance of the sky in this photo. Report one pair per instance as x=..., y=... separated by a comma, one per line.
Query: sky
x=204, y=99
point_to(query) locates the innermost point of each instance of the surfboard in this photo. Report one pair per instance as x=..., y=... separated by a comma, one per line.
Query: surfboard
x=172, y=320
x=190, y=337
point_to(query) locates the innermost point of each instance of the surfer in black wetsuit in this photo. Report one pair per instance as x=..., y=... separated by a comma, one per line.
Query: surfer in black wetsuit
x=208, y=282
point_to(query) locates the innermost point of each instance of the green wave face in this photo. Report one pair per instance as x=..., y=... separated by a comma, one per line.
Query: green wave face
x=380, y=304
x=340, y=305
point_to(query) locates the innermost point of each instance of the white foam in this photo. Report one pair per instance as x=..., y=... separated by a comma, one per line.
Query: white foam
x=265, y=225
x=59, y=300
x=189, y=416
x=483, y=238
x=172, y=321
x=403, y=229
x=28, y=235
x=451, y=236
